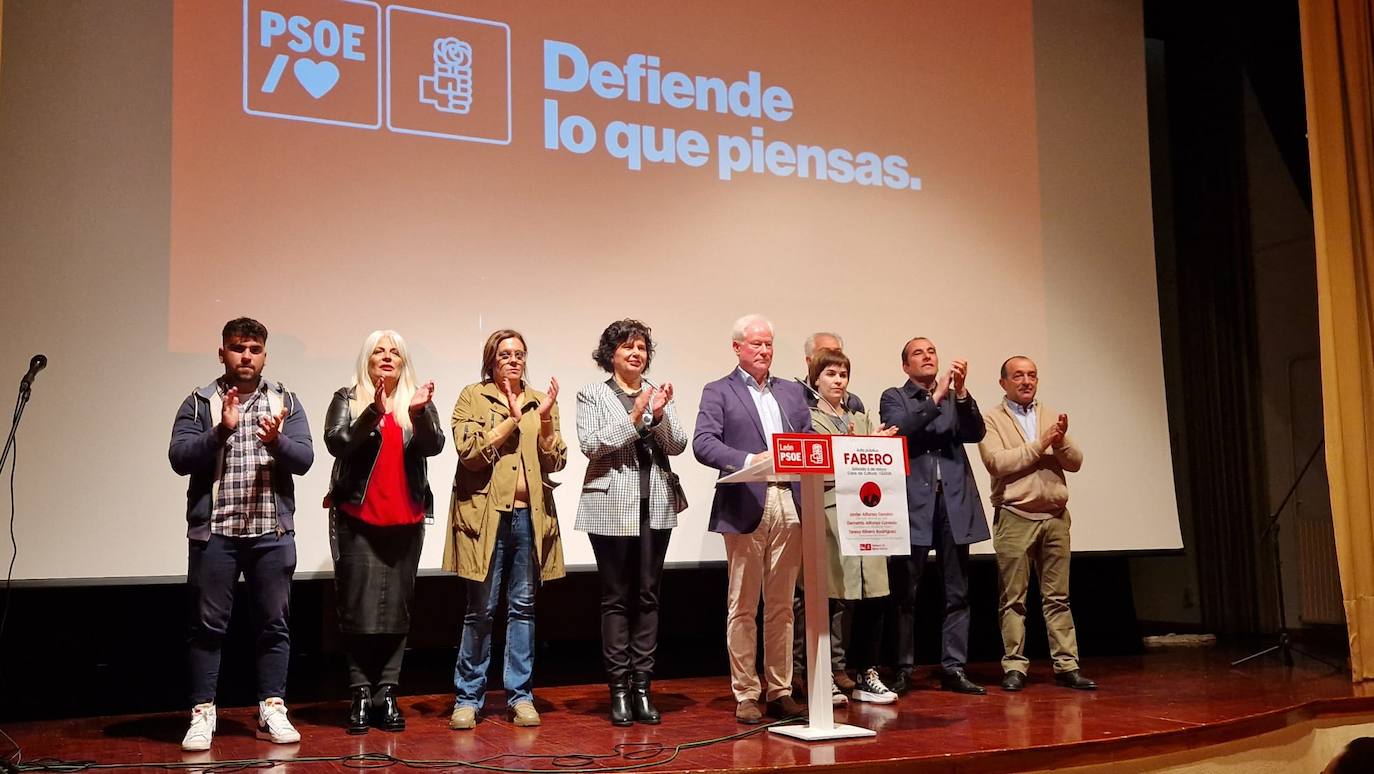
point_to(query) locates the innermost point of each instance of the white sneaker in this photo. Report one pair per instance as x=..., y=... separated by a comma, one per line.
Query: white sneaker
x=272, y=722
x=202, y=728
x=871, y=689
x=837, y=696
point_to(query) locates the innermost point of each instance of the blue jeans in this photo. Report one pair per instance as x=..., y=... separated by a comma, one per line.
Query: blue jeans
x=267, y=563
x=512, y=561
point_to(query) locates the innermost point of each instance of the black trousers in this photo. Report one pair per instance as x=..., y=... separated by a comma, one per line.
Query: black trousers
x=631, y=570
x=267, y=563
x=374, y=659
x=904, y=575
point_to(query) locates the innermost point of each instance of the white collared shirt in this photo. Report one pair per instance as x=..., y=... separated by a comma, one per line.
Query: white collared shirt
x=1025, y=417
x=770, y=414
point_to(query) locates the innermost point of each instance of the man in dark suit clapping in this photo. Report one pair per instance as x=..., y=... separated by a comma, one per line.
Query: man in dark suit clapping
x=938, y=416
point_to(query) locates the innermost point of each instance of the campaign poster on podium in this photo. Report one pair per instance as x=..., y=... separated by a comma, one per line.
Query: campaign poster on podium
x=870, y=495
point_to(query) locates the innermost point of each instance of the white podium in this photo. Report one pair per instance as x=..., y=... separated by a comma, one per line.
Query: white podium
x=820, y=723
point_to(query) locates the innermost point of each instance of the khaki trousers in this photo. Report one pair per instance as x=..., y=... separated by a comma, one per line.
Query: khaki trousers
x=1044, y=544
x=764, y=563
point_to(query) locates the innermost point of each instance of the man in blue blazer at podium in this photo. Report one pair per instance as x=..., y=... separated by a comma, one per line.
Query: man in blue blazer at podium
x=938, y=416
x=738, y=416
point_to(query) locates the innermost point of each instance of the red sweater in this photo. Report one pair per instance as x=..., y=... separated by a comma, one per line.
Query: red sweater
x=387, y=501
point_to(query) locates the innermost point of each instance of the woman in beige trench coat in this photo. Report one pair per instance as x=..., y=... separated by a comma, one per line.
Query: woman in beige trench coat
x=503, y=528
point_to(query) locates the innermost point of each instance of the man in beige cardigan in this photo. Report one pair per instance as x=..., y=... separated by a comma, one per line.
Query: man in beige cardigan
x=1027, y=450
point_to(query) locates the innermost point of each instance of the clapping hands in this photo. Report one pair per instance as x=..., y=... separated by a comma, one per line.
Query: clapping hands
x=269, y=428
x=1053, y=436
x=545, y=408
x=661, y=396
x=229, y=411
x=379, y=397
x=422, y=397
x=958, y=372
x=652, y=400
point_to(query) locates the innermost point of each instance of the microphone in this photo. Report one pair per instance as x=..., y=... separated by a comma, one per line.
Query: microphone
x=783, y=412
x=36, y=364
x=808, y=387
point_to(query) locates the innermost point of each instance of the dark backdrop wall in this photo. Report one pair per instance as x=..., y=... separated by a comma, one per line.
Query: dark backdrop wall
x=92, y=650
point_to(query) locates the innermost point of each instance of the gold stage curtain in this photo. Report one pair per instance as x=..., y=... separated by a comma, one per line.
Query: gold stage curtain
x=1338, y=70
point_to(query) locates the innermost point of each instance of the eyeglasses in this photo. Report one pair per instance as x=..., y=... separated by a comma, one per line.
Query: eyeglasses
x=509, y=355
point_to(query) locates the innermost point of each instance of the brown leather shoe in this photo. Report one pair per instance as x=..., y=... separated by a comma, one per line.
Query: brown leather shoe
x=786, y=707
x=748, y=712
x=844, y=682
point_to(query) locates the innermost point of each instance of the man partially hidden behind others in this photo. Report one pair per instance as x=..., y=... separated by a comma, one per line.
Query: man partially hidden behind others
x=1027, y=450
x=240, y=439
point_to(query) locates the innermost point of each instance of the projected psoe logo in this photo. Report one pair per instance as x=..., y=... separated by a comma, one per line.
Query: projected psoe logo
x=449, y=88
x=313, y=60
x=447, y=76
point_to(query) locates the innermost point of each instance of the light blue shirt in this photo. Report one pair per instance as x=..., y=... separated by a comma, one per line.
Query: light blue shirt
x=764, y=402
x=1025, y=417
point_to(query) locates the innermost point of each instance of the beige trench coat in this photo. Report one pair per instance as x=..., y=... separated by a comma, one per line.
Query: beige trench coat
x=850, y=577
x=484, y=485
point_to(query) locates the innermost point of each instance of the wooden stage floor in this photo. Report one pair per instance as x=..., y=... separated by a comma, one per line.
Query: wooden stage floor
x=1147, y=705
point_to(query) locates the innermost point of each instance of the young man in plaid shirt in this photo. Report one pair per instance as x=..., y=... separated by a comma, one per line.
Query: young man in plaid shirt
x=240, y=439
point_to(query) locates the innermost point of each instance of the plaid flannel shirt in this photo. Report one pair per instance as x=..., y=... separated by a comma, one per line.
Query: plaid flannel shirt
x=246, y=505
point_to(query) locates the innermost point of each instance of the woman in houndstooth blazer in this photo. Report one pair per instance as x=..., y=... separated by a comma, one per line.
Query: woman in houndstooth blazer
x=627, y=428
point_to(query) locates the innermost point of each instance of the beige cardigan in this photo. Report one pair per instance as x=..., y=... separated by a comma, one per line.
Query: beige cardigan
x=1026, y=479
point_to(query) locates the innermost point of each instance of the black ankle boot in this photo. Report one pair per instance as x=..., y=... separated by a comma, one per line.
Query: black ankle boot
x=359, y=710
x=644, y=709
x=621, y=714
x=386, y=712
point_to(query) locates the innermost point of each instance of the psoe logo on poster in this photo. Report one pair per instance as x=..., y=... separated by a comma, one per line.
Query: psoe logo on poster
x=802, y=453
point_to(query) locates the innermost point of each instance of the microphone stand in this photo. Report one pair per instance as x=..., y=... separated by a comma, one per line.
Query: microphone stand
x=25, y=389
x=23, y=401
x=1285, y=647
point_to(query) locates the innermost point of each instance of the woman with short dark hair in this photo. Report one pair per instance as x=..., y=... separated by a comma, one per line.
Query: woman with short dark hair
x=851, y=579
x=628, y=428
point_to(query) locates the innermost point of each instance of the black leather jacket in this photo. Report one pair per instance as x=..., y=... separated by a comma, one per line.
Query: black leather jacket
x=354, y=442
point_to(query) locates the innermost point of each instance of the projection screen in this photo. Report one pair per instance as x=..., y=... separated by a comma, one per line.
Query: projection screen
x=973, y=172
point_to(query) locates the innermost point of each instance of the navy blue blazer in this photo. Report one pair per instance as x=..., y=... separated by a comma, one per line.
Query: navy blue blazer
x=729, y=429
x=941, y=432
